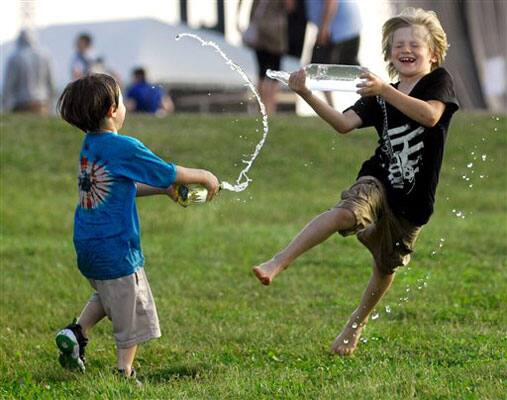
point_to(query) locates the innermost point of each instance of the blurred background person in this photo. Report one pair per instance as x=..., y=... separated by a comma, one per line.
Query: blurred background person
x=338, y=37
x=267, y=35
x=83, y=59
x=28, y=83
x=145, y=97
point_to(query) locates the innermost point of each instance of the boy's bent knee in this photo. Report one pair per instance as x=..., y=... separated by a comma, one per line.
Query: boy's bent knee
x=345, y=219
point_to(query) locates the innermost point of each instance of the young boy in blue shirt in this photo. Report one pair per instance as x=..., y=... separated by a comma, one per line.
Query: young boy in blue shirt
x=114, y=169
x=395, y=189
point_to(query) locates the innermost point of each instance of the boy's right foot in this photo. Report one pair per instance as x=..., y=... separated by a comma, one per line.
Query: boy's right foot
x=132, y=377
x=267, y=271
x=71, y=343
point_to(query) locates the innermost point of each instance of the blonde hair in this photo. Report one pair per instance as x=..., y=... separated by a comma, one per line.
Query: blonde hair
x=412, y=17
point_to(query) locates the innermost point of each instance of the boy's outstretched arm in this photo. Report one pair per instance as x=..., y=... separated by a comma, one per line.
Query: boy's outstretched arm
x=183, y=175
x=427, y=113
x=341, y=122
x=147, y=190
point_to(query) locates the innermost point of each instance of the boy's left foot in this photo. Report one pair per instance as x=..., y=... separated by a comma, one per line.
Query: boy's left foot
x=71, y=343
x=346, y=342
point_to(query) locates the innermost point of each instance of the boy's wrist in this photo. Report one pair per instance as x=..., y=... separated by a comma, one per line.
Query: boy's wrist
x=304, y=93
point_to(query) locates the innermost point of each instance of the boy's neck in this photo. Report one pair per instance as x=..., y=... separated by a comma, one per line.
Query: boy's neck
x=407, y=83
x=108, y=126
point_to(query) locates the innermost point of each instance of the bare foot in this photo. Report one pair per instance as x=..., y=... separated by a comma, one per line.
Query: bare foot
x=346, y=342
x=267, y=271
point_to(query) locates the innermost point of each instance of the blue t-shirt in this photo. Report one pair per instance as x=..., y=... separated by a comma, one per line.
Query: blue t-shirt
x=148, y=98
x=106, y=225
x=346, y=23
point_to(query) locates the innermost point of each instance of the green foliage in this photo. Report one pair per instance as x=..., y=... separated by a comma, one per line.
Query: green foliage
x=225, y=335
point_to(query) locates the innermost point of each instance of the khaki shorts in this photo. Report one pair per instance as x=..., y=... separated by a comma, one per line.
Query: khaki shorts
x=129, y=305
x=389, y=238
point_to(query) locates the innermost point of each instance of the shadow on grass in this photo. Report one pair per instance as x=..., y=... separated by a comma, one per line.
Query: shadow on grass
x=177, y=371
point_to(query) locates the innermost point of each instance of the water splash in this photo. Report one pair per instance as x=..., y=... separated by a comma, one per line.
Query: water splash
x=243, y=180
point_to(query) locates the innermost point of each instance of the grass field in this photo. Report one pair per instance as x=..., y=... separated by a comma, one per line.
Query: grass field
x=225, y=335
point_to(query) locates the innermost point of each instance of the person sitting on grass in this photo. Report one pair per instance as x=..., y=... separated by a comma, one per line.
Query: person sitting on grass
x=113, y=170
x=144, y=97
x=395, y=189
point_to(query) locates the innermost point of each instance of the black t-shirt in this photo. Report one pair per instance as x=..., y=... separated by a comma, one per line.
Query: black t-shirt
x=411, y=176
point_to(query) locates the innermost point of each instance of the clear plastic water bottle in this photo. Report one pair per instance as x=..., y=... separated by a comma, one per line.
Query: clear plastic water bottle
x=325, y=77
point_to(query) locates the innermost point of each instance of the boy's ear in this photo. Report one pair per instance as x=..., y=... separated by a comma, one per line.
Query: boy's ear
x=111, y=113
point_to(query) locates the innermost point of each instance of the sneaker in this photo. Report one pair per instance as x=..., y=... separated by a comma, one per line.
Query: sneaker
x=71, y=343
x=133, y=376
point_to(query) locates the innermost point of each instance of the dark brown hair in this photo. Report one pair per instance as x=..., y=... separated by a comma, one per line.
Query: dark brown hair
x=85, y=102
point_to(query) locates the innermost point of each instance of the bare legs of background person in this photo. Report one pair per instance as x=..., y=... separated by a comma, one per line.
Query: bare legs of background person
x=329, y=98
x=318, y=230
x=268, y=90
x=346, y=342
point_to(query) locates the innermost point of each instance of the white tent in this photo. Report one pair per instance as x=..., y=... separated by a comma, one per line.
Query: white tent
x=152, y=44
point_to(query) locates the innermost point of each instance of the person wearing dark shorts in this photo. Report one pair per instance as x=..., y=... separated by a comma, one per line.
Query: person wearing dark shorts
x=267, y=35
x=338, y=37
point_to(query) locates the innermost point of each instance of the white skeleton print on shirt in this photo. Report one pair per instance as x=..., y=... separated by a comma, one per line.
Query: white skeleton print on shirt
x=407, y=148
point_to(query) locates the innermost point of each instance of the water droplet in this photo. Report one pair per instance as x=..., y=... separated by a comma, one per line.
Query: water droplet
x=470, y=165
x=481, y=176
x=345, y=341
x=471, y=185
x=209, y=93
x=433, y=253
x=375, y=316
x=472, y=153
x=483, y=157
x=388, y=309
x=178, y=37
x=354, y=325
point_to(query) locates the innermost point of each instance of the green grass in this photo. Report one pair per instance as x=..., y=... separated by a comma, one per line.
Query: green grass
x=226, y=336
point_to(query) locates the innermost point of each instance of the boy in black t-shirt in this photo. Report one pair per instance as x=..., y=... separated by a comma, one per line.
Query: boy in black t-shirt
x=395, y=190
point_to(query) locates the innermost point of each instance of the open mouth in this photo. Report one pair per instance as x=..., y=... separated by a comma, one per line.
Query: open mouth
x=407, y=60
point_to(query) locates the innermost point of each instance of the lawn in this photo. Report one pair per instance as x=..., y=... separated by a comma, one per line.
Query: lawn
x=440, y=333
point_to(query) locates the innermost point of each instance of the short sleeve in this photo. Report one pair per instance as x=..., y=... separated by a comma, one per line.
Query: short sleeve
x=365, y=109
x=439, y=86
x=141, y=165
